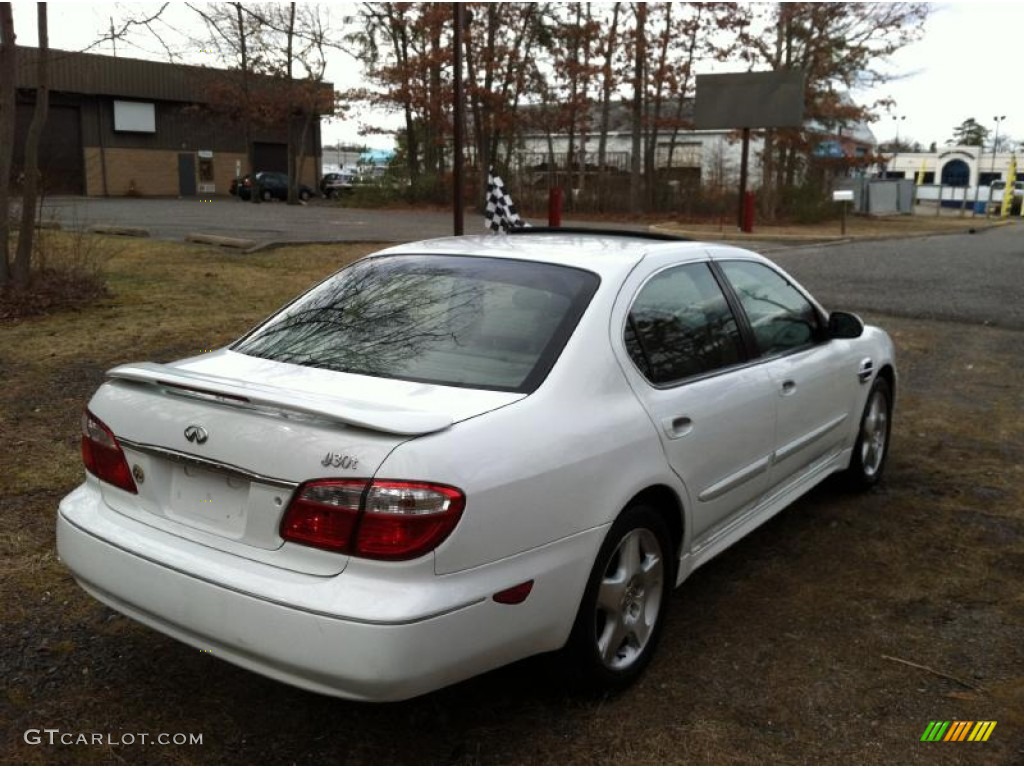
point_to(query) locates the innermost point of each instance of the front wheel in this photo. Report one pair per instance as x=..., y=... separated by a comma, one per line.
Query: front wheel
x=303, y=195
x=624, y=605
x=267, y=195
x=872, y=446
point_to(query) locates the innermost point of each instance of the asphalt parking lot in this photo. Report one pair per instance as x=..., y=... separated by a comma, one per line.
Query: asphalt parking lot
x=977, y=278
x=318, y=220
x=273, y=222
x=972, y=278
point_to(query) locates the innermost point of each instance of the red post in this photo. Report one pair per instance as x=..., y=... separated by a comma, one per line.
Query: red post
x=748, y=212
x=555, y=207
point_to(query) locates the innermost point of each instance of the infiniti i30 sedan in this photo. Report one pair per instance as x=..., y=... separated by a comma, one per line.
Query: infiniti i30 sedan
x=458, y=453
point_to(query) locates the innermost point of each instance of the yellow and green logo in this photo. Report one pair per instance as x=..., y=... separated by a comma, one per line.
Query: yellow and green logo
x=958, y=730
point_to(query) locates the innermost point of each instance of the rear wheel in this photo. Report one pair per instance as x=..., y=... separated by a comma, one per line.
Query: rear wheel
x=267, y=195
x=303, y=194
x=623, y=608
x=872, y=446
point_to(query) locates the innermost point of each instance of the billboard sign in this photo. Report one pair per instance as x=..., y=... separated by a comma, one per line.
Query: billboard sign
x=750, y=100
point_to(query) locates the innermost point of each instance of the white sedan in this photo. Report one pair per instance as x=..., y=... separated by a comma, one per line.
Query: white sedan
x=457, y=453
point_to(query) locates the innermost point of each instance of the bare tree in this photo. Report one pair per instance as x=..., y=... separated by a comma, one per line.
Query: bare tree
x=838, y=46
x=237, y=39
x=8, y=67
x=30, y=189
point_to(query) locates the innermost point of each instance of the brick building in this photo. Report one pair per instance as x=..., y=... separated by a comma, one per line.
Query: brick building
x=120, y=126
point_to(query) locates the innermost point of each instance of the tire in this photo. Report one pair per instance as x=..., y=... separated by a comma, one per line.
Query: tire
x=623, y=609
x=266, y=195
x=303, y=195
x=872, y=446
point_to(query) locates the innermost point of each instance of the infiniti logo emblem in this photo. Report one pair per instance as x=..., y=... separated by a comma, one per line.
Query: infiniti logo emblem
x=196, y=434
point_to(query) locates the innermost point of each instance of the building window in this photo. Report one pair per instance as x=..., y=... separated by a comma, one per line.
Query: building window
x=985, y=178
x=134, y=117
x=685, y=154
x=956, y=173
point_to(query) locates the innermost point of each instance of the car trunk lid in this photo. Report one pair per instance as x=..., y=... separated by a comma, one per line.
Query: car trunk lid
x=220, y=442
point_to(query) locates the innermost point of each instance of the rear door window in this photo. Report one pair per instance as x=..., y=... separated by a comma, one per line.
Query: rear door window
x=680, y=326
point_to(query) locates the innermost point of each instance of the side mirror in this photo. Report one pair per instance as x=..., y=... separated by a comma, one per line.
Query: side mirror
x=844, y=325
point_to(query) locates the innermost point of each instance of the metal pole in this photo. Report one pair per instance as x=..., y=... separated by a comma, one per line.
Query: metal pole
x=992, y=168
x=458, y=161
x=896, y=149
x=743, y=177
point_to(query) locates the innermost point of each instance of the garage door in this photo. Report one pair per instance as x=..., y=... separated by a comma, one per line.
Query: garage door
x=60, y=149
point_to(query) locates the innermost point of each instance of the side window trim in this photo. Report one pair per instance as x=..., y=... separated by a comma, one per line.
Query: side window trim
x=750, y=348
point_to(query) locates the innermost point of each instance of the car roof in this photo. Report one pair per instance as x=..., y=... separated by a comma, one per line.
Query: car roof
x=601, y=252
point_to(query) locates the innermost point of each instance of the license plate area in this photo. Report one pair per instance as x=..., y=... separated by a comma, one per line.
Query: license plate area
x=210, y=501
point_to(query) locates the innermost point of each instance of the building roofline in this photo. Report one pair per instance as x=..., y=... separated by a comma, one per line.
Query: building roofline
x=101, y=75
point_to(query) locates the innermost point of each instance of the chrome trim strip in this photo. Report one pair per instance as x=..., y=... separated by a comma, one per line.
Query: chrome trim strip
x=207, y=464
x=735, y=480
x=802, y=442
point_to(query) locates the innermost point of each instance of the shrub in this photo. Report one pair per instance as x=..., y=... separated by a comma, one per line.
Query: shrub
x=67, y=272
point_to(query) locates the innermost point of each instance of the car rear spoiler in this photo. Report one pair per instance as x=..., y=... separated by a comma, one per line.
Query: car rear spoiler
x=245, y=394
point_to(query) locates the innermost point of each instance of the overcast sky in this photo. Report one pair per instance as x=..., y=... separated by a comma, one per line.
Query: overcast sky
x=968, y=64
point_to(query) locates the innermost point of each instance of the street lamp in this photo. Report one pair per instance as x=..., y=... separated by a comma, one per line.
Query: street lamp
x=896, y=146
x=898, y=119
x=995, y=141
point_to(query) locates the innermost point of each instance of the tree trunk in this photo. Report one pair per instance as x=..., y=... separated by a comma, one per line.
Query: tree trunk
x=432, y=141
x=30, y=191
x=293, y=180
x=606, y=100
x=635, y=181
x=654, y=123
x=476, y=113
x=250, y=156
x=8, y=67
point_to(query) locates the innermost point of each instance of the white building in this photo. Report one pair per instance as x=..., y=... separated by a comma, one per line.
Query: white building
x=951, y=166
x=710, y=156
x=954, y=174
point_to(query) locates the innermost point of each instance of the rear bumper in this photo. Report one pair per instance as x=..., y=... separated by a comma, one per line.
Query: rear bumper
x=451, y=631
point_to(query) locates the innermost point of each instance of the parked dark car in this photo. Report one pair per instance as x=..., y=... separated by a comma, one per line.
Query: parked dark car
x=337, y=184
x=271, y=185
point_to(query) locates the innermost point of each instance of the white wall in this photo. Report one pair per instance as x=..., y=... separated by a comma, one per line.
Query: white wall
x=715, y=152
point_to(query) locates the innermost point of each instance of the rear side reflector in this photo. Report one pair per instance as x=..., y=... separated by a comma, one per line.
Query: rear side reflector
x=102, y=454
x=380, y=519
x=514, y=595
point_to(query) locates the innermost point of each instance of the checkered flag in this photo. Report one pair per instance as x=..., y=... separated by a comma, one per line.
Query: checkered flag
x=500, y=214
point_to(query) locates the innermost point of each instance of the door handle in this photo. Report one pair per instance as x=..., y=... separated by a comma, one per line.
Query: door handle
x=677, y=426
x=788, y=387
x=866, y=370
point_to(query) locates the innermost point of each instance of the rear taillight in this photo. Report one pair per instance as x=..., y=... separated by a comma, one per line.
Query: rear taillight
x=380, y=519
x=102, y=455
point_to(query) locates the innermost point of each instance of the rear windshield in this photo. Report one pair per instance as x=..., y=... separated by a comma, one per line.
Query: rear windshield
x=462, y=321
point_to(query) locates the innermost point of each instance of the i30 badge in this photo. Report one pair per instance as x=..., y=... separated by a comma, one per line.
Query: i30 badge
x=196, y=434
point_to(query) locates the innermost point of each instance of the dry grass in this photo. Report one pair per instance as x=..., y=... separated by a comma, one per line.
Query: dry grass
x=775, y=652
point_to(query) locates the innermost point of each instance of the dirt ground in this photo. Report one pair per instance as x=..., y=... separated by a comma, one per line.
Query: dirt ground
x=833, y=634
